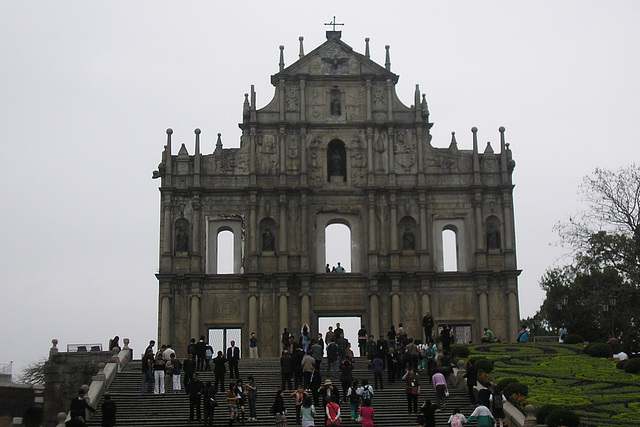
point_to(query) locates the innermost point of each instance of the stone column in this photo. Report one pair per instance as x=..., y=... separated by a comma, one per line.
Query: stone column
x=513, y=315
x=304, y=250
x=369, y=105
x=395, y=309
x=282, y=244
x=195, y=316
x=303, y=101
x=374, y=307
x=284, y=313
x=195, y=238
x=371, y=202
x=165, y=320
x=305, y=311
x=484, y=310
x=253, y=313
x=166, y=227
x=393, y=226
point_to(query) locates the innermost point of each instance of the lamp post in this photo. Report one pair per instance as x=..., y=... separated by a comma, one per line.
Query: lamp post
x=561, y=304
x=608, y=305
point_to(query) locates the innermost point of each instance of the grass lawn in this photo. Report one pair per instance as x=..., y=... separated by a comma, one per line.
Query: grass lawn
x=563, y=375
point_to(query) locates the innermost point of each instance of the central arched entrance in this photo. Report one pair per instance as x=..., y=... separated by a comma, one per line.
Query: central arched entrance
x=350, y=324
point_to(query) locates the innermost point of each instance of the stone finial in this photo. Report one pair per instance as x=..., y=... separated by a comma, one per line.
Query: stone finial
x=529, y=416
x=246, y=107
x=301, y=54
x=424, y=108
x=281, y=57
x=387, y=62
x=454, y=143
x=54, y=348
x=366, y=47
x=219, y=142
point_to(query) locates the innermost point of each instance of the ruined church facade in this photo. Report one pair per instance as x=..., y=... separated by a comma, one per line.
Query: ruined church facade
x=335, y=145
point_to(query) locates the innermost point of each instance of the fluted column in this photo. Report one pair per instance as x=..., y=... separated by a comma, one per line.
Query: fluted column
x=165, y=320
x=374, y=306
x=484, y=310
x=283, y=312
x=395, y=309
x=253, y=313
x=305, y=311
x=195, y=316
x=513, y=315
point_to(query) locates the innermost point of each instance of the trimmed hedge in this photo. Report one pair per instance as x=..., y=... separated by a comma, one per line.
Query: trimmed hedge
x=632, y=366
x=484, y=365
x=460, y=351
x=621, y=364
x=573, y=339
x=599, y=349
x=543, y=412
x=503, y=383
x=516, y=388
x=562, y=417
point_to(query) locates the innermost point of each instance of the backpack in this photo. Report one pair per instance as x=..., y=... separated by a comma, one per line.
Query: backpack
x=497, y=401
x=366, y=393
x=208, y=353
x=456, y=420
x=191, y=348
x=353, y=397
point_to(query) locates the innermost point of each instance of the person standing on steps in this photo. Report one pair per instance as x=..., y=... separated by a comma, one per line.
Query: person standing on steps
x=195, y=397
x=233, y=356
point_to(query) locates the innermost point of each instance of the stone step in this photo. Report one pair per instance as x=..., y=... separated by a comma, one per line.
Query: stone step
x=135, y=409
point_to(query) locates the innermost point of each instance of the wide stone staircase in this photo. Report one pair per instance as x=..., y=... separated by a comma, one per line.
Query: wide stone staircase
x=172, y=410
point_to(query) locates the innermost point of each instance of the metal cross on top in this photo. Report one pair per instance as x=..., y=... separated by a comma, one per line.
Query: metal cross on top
x=333, y=23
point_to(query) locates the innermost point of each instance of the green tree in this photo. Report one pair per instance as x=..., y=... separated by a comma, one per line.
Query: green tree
x=604, y=243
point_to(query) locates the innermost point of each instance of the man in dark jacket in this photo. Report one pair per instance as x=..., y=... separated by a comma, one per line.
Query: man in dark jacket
x=332, y=359
x=297, y=357
x=200, y=353
x=108, y=411
x=233, y=356
x=219, y=370
x=286, y=370
x=189, y=367
x=78, y=408
x=472, y=379
x=195, y=397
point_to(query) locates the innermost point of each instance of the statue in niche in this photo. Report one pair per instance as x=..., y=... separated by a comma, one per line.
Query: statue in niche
x=268, y=241
x=493, y=237
x=182, y=236
x=336, y=108
x=408, y=240
x=336, y=164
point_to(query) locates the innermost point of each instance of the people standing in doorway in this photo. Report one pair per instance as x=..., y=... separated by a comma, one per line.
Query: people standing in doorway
x=339, y=269
x=330, y=335
x=208, y=356
x=338, y=331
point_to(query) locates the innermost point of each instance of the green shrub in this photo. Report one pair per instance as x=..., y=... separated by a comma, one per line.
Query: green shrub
x=573, y=339
x=516, y=388
x=621, y=364
x=600, y=349
x=460, y=351
x=505, y=382
x=562, y=417
x=632, y=366
x=484, y=365
x=543, y=412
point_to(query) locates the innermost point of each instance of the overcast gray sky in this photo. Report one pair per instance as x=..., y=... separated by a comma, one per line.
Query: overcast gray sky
x=88, y=89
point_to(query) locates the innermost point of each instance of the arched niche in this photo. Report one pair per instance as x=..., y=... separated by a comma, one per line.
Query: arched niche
x=336, y=161
x=268, y=233
x=493, y=234
x=181, y=239
x=408, y=234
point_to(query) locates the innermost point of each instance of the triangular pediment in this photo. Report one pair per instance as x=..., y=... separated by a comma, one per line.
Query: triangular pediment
x=334, y=58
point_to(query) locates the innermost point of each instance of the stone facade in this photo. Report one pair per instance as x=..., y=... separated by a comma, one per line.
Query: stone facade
x=336, y=145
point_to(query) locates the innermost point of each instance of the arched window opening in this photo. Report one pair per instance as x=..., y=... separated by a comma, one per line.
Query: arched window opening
x=225, y=251
x=449, y=250
x=337, y=247
x=336, y=161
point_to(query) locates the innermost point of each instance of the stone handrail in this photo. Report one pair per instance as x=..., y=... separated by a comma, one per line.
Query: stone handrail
x=101, y=382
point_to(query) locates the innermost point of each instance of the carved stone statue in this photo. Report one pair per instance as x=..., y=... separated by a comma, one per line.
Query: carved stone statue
x=493, y=237
x=268, y=241
x=336, y=163
x=182, y=236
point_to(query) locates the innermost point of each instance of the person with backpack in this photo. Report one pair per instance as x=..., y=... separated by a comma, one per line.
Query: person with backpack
x=365, y=391
x=457, y=419
x=497, y=400
x=354, y=400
